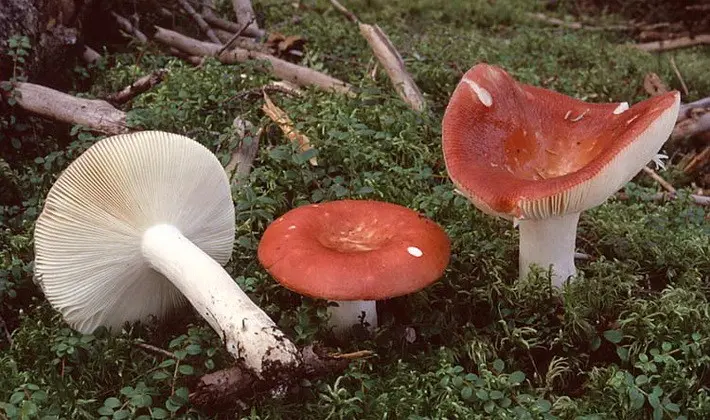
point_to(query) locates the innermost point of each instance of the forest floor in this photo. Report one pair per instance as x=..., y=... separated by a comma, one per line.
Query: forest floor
x=630, y=338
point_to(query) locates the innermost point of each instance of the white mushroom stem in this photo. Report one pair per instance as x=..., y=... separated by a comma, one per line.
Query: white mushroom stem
x=348, y=313
x=246, y=330
x=548, y=242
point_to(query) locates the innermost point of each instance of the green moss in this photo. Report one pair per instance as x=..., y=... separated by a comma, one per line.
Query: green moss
x=485, y=346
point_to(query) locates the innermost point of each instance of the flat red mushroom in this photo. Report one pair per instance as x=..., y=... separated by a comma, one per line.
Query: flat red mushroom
x=540, y=158
x=354, y=252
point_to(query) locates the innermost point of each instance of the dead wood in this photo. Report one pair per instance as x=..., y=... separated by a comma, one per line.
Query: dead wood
x=230, y=26
x=281, y=87
x=233, y=39
x=671, y=44
x=698, y=160
x=699, y=122
x=281, y=118
x=700, y=200
x=243, y=156
x=662, y=182
x=136, y=88
x=241, y=41
x=685, y=109
x=204, y=26
x=96, y=114
x=541, y=17
x=389, y=58
x=299, y=75
x=224, y=386
x=126, y=26
x=90, y=56
x=654, y=85
x=245, y=15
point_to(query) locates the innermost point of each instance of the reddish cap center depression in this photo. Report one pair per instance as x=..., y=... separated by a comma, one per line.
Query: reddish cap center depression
x=354, y=250
x=505, y=141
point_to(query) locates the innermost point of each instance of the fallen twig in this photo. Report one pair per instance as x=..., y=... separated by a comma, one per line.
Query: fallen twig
x=136, y=88
x=698, y=160
x=96, y=114
x=230, y=26
x=696, y=124
x=127, y=27
x=243, y=156
x=233, y=39
x=282, y=87
x=204, y=26
x=222, y=387
x=685, y=109
x=245, y=14
x=294, y=73
x=541, y=17
x=701, y=200
x=670, y=44
x=360, y=354
x=284, y=122
x=662, y=182
x=390, y=59
x=679, y=76
x=155, y=349
x=89, y=55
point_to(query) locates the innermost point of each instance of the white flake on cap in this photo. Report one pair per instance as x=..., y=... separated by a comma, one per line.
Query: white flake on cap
x=414, y=251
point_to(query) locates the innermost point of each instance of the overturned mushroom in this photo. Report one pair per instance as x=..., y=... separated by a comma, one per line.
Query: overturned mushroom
x=354, y=252
x=135, y=225
x=540, y=158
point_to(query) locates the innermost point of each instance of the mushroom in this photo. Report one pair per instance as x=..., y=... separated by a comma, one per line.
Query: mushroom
x=137, y=224
x=353, y=253
x=539, y=158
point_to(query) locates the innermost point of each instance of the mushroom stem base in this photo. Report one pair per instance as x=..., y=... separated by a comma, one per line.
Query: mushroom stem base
x=348, y=313
x=549, y=242
x=247, y=331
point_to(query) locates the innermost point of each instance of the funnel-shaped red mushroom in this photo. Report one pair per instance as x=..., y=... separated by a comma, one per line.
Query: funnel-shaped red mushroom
x=540, y=158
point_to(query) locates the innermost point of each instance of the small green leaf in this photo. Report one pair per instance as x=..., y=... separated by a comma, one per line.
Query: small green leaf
x=516, y=377
x=467, y=393
x=186, y=369
x=636, y=397
x=498, y=365
x=614, y=336
x=641, y=379
x=112, y=402
x=673, y=407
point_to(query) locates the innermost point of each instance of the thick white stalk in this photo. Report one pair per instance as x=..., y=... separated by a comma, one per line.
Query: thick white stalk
x=246, y=330
x=350, y=312
x=548, y=242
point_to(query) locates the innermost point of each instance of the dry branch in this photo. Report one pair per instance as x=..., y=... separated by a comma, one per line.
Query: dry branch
x=689, y=127
x=230, y=26
x=662, y=182
x=284, y=122
x=671, y=44
x=89, y=55
x=240, y=163
x=224, y=386
x=96, y=114
x=126, y=26
x=204, y=26
x=698, y=160
x=685, y=109
x=541, y=17
x=293, y=73
x=136, y=88
x=390, y=59
x=701, y=200
x=245, y=15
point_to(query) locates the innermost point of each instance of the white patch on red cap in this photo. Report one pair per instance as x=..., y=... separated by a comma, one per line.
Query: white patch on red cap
x=483, y=95
x=414, y=251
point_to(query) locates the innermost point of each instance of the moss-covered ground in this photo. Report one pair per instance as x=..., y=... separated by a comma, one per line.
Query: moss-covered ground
x=629, y=340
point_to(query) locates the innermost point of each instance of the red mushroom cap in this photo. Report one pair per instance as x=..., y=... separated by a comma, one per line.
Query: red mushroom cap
x=354, y=250
x=521, y=151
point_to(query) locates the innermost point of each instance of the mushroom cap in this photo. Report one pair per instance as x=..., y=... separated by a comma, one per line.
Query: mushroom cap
x=354, y=250
x=519, y=151
x=88, y=257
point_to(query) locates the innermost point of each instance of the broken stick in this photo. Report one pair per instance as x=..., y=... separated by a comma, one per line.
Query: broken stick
x=390, y=59
x=671, y=44
x=284, y=122
x=293, y=73
x=96, y=114
x=662, y=182
x=245, y=16
x=242, y=159
x=136, y=88
x=204, y=26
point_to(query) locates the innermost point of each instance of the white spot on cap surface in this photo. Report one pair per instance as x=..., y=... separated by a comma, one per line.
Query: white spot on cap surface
x=621, y=108
x=483, y=95
x=292, y=227
x=414, y=251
